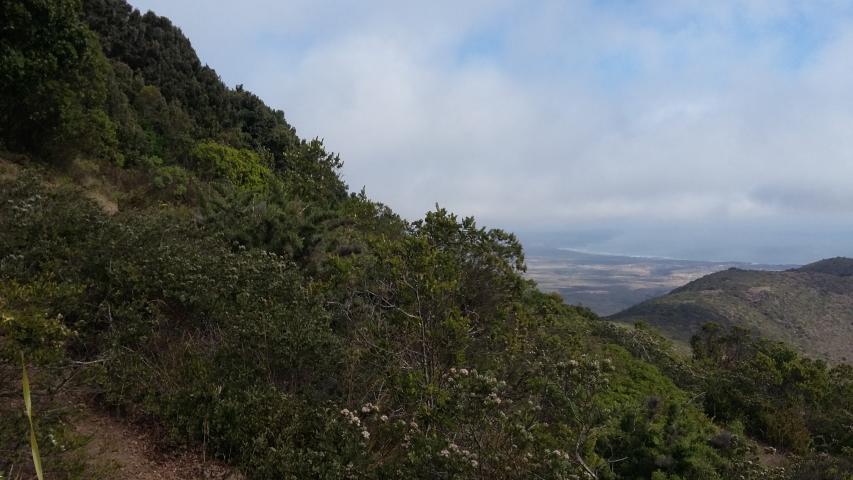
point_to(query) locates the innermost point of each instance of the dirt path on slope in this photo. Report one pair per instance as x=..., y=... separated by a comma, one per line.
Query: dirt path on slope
x=117, y=450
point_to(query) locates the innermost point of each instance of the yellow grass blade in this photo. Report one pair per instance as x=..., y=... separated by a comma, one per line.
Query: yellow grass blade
x=28, y=404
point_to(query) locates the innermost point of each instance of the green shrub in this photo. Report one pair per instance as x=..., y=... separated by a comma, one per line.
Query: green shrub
x=242, y=167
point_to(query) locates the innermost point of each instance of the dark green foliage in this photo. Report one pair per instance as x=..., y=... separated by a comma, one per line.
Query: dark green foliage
x=309, y=172
x=840, y=266
x=53, y=79
x=664, y=439
x=128, y=88
x=163, y=58
x=446, y=359
x=787, y=400
x=765, y=388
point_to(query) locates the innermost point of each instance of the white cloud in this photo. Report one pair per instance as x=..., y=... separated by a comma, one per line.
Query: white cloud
x=586, y=112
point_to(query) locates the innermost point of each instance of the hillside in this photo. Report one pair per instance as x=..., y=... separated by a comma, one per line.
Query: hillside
x=809, y=307
x=838, y=266
x=179, y=267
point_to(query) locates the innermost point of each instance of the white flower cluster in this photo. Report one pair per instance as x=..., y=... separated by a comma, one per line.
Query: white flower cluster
x=409, y=428
x=351, y=417
x=558, y=454
x=493, y=397
x=27, y=205
x=353, y=420
x=454, y=450
x=570, y=365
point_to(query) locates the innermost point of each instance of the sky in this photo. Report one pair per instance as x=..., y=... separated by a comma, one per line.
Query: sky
x=716, y=130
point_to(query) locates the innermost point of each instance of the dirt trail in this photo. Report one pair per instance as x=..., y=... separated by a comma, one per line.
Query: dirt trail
x=121, y=451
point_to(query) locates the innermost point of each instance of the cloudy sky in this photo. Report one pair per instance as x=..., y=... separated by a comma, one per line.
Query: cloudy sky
x=697, y=129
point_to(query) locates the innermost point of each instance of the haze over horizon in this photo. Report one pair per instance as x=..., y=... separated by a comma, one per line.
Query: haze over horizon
x=696, y=130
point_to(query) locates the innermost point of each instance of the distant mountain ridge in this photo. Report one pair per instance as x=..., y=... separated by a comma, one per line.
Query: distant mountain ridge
x=840, y=266
x=610, y=283
x=810, y=307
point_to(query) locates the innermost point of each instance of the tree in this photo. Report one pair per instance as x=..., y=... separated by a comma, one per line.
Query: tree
x=53, y=78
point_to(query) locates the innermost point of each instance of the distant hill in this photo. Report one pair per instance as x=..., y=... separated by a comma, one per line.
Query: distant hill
x=608, y=284
x=839, y=266
x=810, y=307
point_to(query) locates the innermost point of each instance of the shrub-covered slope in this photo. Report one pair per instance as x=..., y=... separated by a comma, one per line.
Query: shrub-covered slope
x=840, y=266
x=171, y=251
x=810, y=307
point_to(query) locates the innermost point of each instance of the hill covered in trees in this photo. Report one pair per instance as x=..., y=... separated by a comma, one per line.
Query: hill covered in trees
x=810, y=307
x=173, y=253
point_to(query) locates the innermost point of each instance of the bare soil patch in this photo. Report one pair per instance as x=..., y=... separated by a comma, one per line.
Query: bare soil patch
x=116, y=449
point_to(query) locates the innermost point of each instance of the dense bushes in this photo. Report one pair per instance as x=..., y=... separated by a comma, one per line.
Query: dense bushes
x=241, y=167
x=787, y=400
x=446, y=360
x=761, y=389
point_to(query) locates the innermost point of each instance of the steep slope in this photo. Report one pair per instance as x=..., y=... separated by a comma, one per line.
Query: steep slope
x=810, y=307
